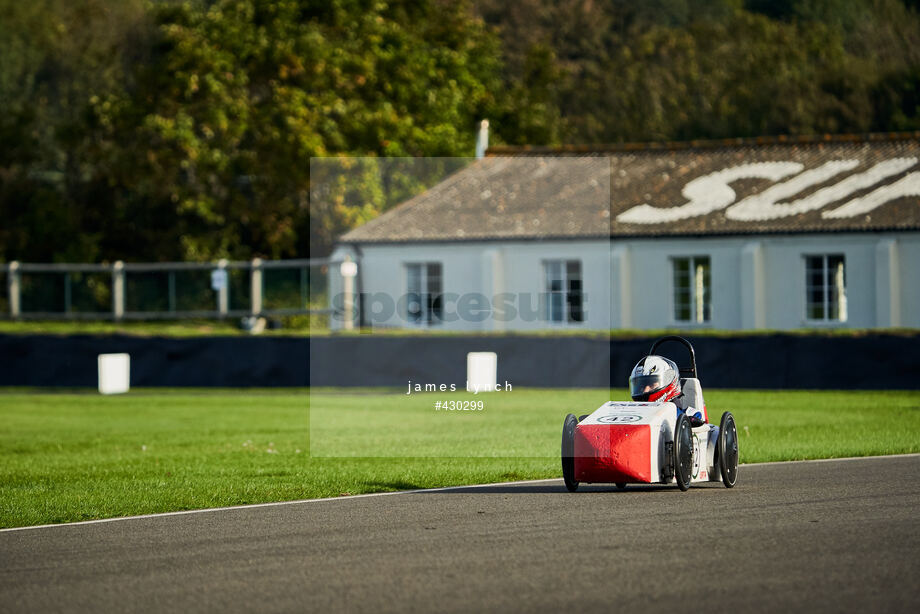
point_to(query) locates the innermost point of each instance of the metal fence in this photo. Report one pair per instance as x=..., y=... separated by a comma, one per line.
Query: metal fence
x=165, y=290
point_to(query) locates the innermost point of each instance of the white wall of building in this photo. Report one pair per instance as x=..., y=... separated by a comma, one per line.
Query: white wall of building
x=489, y=269
x=757, y=281
x=908, y=258
x=650, y=298
x=771, y=293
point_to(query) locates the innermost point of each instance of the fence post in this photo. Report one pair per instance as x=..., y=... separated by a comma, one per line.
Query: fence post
x=118, y=290
x=348, y=270
x=12, y=286
x=255, y=286
x=223, y=289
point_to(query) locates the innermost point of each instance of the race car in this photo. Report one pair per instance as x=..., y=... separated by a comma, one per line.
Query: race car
x=663, y=434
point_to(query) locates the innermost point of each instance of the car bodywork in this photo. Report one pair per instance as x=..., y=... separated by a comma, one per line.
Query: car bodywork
x=652, y=443
x=631, y=442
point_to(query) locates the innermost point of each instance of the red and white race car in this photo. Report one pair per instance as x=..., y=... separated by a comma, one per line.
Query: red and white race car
x=652, y=442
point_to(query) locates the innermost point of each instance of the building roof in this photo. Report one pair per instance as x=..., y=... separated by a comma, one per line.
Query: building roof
x=744, y=186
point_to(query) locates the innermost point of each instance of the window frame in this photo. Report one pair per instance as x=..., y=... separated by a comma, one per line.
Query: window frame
x=571, y=299
x=431, y=303
x=694, y=301
x=828, y=286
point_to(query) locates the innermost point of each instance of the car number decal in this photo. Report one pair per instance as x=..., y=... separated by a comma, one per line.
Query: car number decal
x=619, y=418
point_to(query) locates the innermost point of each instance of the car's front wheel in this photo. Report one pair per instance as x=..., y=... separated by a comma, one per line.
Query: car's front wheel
x=727, y=449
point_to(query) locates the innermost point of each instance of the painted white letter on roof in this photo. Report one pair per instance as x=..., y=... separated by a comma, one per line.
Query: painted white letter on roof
x=909, y=185
x=709, y=193
x=765, y=206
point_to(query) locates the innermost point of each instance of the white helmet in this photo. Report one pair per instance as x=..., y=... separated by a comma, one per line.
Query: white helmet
x=654, y=378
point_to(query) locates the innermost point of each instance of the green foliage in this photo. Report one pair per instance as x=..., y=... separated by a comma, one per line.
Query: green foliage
x=685, y=69
x=201, y=147
x=243, y=94
x=346, y=192
x=172, y=130
x=57, y=55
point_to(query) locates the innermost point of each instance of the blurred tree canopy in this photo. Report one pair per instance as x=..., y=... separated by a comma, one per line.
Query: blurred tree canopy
x=173, y=130
x=621, y=70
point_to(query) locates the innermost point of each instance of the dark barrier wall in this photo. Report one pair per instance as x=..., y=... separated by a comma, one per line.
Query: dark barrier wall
x=877, y=361
x=526, y=361
x=40, y=360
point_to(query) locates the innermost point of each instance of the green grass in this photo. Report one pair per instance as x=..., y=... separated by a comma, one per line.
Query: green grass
x=177, y=328
x=67, y=456
x=317, y=325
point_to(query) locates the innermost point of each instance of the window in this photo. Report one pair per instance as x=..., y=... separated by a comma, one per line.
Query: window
x=825, y=288
x=692, y=290
x=564, y=294
x=425, y=304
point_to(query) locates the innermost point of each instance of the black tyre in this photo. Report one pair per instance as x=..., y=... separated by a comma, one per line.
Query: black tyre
x=621, y=485
x=568, y=452
x=683, y=452
x=727, y=449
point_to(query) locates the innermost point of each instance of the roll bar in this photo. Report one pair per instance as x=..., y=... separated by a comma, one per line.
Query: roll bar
x=691, y=371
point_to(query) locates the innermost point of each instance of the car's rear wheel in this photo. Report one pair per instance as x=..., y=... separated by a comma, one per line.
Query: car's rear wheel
x=727, y=450
x=683, y=451
x=568, y=452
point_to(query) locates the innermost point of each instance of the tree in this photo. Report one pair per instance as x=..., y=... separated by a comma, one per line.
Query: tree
x=172, y=130
x=243, y=93
x=683, y=69
x=57, y=56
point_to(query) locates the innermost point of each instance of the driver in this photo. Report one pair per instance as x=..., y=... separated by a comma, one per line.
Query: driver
x=656, y=379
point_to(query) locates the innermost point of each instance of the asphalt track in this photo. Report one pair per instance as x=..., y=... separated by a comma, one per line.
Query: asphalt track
x=833, y=536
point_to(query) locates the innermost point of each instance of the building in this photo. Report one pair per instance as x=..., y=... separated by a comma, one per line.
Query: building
x=744, y=234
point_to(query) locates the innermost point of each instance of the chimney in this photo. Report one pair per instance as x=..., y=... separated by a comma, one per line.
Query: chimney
x=482, y=139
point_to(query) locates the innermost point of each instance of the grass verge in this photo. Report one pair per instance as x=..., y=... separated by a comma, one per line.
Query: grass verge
x=70, y=456
x=316, y=325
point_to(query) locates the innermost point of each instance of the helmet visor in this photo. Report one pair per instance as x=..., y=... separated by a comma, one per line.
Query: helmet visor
x=641, y=385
